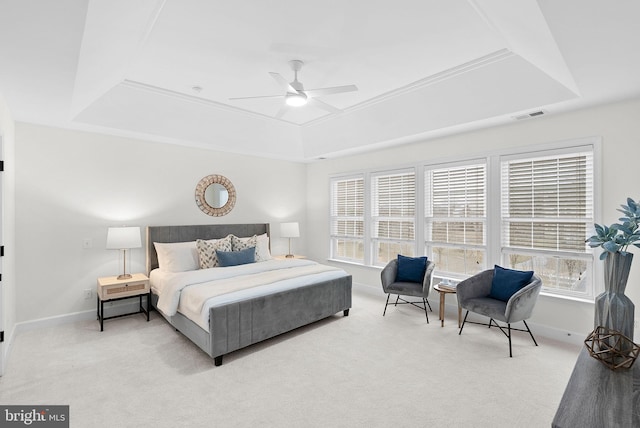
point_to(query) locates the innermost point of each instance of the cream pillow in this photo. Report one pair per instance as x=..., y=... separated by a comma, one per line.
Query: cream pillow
x=177, y=256
x=260, y=242
x=262, y=249
x=207, y=250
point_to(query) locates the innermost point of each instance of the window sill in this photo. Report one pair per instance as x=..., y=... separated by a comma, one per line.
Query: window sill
x=565, y=297
x=347, y=262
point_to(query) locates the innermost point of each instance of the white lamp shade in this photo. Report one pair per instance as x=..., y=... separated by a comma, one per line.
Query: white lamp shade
x=120, y=238
x=289, y=230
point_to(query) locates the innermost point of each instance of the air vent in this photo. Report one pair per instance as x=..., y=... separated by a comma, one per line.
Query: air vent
x=530, y=115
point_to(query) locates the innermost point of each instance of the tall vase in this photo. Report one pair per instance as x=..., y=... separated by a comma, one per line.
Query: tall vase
x=614, y=310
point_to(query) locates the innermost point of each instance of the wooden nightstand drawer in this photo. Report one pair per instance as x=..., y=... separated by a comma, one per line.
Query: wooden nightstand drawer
x=123, y=290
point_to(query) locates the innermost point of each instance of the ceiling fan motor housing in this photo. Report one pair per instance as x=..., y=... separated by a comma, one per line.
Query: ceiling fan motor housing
x=297, y=85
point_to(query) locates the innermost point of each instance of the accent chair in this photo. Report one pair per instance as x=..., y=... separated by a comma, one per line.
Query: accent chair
x=475, y=294
x=392, y=284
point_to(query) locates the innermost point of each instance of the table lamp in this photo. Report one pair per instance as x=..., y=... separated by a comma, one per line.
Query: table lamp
x=123, y=239
x=289, y=230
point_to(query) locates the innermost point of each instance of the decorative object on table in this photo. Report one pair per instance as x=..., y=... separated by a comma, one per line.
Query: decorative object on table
x=289, y=230
x=123, y=239
x=614, y=310
x=448, y=285
x=612, y=348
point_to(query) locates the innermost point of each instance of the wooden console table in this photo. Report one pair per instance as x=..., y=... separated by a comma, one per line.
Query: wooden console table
x=599, y=397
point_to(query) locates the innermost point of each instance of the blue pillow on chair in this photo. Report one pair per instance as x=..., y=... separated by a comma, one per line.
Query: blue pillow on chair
x=411, y=269
x=506, y=282
x=234, y=258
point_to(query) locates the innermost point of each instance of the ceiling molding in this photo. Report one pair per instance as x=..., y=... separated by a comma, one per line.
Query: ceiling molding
x=491, y=58
x=197, y=100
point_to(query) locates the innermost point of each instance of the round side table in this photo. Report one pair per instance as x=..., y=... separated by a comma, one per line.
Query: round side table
x=444, y=291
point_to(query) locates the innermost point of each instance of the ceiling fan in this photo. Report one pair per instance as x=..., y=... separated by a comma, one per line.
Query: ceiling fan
x=295, y=95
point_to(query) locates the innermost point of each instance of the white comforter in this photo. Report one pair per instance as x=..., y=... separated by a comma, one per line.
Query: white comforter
x=193, y=293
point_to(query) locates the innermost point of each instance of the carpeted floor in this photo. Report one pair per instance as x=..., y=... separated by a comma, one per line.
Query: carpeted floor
x=364, y=370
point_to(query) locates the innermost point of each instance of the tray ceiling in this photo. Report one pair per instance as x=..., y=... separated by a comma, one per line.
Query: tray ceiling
x=165, y=69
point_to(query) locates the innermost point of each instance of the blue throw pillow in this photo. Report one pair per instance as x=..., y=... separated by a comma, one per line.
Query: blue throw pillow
x=411, y=269
x=506, y=282
x=234, y=258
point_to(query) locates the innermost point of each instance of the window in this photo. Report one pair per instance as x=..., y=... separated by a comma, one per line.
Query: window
x=393, y=196
x=347, y=219
x=455, y=217
x=527, y=210
x=547, y=212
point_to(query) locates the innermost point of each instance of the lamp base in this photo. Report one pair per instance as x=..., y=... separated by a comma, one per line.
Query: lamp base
x=125, y=276
x=289, y=256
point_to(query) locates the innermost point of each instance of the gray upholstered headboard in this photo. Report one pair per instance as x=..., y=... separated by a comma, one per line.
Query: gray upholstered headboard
x=191, y=233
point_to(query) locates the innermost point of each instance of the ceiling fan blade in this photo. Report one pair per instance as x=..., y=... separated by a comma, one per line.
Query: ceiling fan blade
x=284, y=109
x=283, y=83
x=327, y=91
x=261, y=96
x=322, y=105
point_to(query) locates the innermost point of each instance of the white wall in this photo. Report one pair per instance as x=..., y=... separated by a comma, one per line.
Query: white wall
x=8, y=309
x=73, y=185
x=618, y=125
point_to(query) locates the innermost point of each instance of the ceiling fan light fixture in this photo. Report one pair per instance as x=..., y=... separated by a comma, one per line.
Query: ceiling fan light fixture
x=296, y=100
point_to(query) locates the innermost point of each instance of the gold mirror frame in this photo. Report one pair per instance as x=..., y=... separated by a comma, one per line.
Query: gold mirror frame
x=204, y=206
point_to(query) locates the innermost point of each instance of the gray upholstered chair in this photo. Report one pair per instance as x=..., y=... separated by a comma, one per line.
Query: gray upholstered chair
x=412, y=289
x=473, y=295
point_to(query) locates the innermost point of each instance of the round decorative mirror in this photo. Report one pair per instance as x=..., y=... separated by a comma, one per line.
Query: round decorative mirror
x=215, y=195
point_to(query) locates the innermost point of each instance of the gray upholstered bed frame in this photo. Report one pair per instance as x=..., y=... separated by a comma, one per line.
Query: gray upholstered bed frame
x=237, y=325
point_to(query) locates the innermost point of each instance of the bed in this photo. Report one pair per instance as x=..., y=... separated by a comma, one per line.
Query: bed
x=272, y=299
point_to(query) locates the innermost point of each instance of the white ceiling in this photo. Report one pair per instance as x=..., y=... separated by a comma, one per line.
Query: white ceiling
x=423, y=68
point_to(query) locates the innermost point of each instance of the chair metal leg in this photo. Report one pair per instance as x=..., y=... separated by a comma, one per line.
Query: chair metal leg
x=385, y=305
x=502, y=329
x=416, y=303
x=463, y=321
x=425, y=303
x=428, y=305
x=531, y=334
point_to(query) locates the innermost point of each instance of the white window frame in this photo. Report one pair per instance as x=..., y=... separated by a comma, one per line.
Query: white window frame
x=376, y=217
x=334, y=218
x=585, y=278
x=430, y=219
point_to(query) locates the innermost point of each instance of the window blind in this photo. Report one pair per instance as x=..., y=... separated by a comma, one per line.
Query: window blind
x=394, y=205
x=455, y=204
x=347, y=209
x=347, y=218
x=547, y=202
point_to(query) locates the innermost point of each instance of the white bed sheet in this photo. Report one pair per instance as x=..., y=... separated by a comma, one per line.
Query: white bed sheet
x=170, y=286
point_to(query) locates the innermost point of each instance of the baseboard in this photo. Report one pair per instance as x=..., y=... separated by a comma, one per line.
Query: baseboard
x=8, y=341
x=55, y=320
x=537, y=329
x=111, y=309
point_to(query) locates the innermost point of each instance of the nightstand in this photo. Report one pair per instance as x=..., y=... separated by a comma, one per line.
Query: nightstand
x=110, y=289
x=284, y=257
